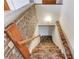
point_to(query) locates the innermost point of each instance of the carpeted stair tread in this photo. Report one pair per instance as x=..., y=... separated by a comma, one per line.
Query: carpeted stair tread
x=47, y=50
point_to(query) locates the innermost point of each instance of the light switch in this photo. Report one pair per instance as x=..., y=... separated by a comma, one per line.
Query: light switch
x=11, y=45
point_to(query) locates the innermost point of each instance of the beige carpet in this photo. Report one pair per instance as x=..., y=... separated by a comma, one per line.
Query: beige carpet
x=47, y=50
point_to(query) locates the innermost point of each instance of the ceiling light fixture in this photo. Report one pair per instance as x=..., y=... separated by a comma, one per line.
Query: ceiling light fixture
x=48, y=18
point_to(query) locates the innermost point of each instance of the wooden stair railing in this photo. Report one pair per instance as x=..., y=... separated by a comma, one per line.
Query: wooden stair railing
x=64, y=41
x=26, y=41
x=15, y=37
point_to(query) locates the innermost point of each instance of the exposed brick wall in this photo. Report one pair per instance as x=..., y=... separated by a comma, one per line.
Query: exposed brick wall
x=26, y=24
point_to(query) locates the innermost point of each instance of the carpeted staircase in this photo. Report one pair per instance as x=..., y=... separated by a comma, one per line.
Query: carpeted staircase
x=47, y=50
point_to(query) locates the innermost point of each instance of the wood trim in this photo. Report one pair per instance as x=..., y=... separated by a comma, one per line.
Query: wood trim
x=49, y=1
x=6, y=7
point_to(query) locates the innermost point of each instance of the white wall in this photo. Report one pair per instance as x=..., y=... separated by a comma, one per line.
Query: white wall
x=67, y=21
x=10, y=16
x=45, y=30
x=57, y=40
x=48, y=10
x=16, y=4
x=59, y=1
x=37, y=1
x=35, y=42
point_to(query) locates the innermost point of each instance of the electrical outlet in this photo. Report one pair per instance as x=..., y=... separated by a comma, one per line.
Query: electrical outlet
x=11, y=45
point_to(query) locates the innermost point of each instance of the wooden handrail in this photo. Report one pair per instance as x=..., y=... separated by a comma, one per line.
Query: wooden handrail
x=28, y=40
x=64, y=41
